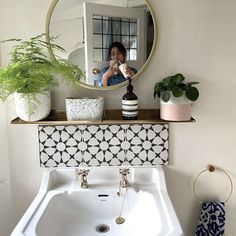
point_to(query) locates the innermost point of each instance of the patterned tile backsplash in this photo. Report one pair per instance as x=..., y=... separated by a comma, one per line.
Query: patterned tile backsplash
x=103, y=145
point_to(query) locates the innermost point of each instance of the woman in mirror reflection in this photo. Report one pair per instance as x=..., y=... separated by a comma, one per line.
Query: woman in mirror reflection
x=111, y=75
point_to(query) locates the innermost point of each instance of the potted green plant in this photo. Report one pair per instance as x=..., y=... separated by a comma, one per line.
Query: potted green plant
x=31, y=75
x=176, y=97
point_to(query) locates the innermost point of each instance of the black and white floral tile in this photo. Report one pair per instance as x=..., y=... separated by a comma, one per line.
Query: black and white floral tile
x=103, y=145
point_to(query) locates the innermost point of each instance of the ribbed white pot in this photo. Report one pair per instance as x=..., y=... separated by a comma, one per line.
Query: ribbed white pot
x=41, y=109
x=176, y=109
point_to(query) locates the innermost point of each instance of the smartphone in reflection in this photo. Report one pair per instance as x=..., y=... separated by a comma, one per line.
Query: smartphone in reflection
x=114, y=64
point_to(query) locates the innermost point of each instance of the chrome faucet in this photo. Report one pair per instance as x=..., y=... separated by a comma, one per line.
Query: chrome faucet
x=124, y=182
x=84, y=180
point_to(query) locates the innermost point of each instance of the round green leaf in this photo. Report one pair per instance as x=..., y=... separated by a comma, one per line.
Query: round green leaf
x=165, y=96
x=192, y=93
x=178, y=78
x=177, y=92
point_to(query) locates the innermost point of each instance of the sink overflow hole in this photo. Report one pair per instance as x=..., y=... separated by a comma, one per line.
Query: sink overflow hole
x=102, y=228
x=103, y=195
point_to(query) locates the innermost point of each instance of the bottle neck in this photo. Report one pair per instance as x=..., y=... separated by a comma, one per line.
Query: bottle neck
x=129, y=94
x=130, y=86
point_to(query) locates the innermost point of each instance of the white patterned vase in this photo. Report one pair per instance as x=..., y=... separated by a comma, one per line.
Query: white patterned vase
x=32, y=107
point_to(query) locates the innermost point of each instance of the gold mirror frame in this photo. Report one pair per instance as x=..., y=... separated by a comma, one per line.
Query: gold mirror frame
x=140, y=72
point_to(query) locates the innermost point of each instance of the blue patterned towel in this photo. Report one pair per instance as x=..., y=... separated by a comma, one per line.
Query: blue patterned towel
x=212, y=219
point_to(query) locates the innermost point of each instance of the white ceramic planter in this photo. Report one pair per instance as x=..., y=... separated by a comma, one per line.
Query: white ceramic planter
x=176, y=109
x=84, y=108
x=42, y=109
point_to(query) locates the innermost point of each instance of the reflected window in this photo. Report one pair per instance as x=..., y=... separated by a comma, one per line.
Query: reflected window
x=112, y=29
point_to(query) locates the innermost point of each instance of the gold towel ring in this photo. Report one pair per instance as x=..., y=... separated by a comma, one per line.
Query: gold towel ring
x=212, y=168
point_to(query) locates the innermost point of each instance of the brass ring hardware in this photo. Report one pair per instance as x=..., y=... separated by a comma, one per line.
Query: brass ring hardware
x=95, y=71
x=212, y=168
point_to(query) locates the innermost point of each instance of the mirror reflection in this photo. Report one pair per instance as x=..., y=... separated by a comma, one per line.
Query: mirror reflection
x=101, y=35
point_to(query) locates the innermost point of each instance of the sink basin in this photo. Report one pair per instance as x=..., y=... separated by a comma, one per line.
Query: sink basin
x=62, y=208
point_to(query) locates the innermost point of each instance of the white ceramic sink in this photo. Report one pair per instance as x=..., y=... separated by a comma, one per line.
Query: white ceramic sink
x=62, y=208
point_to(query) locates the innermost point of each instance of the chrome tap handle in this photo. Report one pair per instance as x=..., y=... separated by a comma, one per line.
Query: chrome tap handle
x=124, y=183
x=124, y=171
x=84, y=181
x=83, y=172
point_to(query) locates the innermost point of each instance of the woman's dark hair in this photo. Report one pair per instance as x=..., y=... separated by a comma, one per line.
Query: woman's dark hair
x=120, y=47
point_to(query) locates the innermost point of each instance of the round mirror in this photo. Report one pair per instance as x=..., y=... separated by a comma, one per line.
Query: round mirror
x=99, y=35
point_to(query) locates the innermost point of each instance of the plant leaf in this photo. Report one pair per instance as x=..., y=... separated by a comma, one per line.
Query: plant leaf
x=177, y=91
x=192, y=93
x=177, y=79
x=192, y=83
x=165, y=96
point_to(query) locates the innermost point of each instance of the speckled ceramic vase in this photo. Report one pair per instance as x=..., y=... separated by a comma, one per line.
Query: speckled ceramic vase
x=84, y=108
x=176, y=109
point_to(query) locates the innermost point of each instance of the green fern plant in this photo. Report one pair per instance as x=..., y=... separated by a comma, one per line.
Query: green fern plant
x=31, y=71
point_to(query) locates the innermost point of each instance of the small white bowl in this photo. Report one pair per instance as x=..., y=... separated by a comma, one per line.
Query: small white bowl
x=84, y=108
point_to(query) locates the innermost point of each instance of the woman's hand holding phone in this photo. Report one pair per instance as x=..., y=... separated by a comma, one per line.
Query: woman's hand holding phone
x=114, y=67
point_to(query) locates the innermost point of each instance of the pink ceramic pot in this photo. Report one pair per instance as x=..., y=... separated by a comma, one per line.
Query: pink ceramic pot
x=176, y=109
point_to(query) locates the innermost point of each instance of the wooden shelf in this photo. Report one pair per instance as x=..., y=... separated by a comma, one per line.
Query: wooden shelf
x=112, y=116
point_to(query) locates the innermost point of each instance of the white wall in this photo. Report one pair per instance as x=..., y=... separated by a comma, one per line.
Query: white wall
x=5, y=192
x=196, y=38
